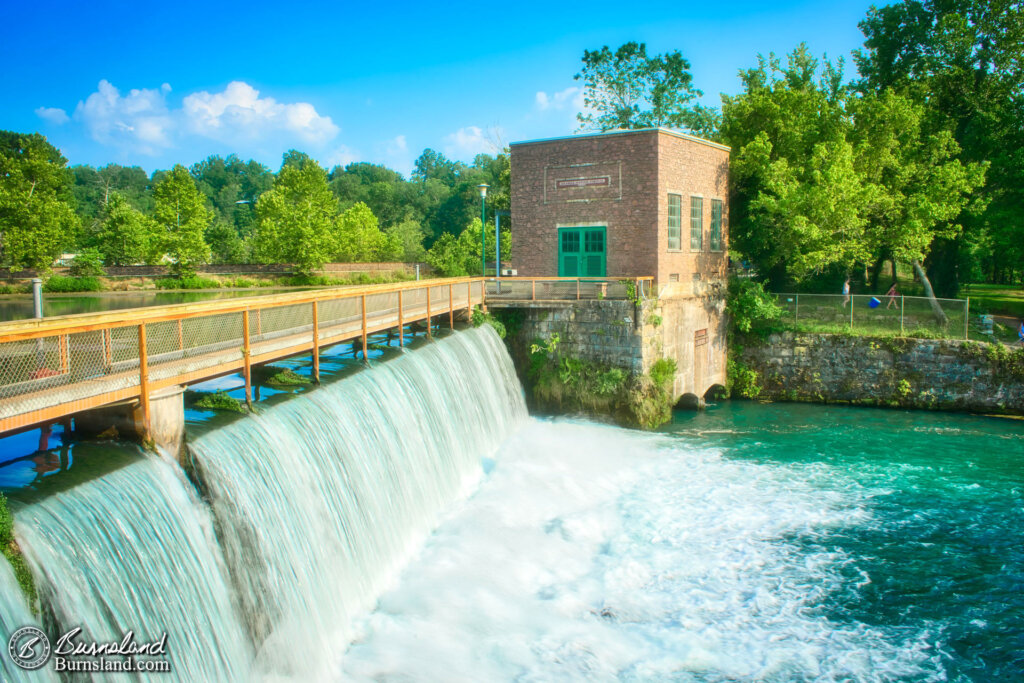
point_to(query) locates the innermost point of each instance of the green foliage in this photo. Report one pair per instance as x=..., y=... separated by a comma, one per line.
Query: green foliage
x=62, y=284
x=181, y=222
x=189, y=282
x=654, y=319
x=480, y=317
x=627, y=89
x=750, y=307
x=288, y=377
x=125, y=234
x=297, y=219
x=12, y=552
x=360, y=240
x=663, y=373
x=220, y=400
x=87, y=263
x=410, y=235
x=742, y=380
x=36, y=215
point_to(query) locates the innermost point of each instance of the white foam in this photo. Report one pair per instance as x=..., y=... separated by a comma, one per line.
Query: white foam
x=594, y=553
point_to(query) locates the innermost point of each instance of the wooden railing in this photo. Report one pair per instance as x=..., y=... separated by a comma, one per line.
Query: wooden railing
x=54, y=367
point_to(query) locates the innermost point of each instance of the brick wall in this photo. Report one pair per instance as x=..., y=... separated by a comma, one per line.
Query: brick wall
x=625, y=205
x=642, y=167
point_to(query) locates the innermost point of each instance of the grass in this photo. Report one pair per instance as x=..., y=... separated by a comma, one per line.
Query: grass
x=995, y=299
x=12, y=552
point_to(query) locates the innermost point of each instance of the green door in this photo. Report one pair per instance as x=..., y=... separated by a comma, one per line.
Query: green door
x=582, y=252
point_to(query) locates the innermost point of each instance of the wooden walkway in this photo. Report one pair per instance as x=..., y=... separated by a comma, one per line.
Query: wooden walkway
x=52, y=368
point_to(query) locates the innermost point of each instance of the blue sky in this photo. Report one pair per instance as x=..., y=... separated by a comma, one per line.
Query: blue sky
x=154, y=84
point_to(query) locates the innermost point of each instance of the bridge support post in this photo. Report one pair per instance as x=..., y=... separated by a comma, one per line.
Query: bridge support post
x=428, y=311
x=246, y=361
x=366, y=358
x=401, y=322
x=143, y=383
x=469, y=299
x=316, y=343
x=483, y=296
x=451, y=308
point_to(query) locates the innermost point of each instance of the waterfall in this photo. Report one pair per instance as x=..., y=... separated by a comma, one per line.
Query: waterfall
x=320, y=500
x=135, y=550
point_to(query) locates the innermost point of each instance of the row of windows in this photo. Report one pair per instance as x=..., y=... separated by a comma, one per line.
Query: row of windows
x=675, y=223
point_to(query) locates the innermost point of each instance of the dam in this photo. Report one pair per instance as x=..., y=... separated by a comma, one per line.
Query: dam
x=410, y=521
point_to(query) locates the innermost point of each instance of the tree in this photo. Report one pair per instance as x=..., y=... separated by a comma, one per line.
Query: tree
x=125, y=234
x=409, y=234
x=296, y=220
x=182, y=220
x=923, y=186
x=36, y=216
x=627, y=89
x=448, y=256
x=797, y=204
x=961, y=60
x=359, y=238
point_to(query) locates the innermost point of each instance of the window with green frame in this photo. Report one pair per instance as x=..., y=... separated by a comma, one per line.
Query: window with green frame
x=696, y=223
x=716, y=225
x=675, y=221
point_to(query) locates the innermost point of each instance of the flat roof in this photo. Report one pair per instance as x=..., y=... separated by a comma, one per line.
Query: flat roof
x=667, y=131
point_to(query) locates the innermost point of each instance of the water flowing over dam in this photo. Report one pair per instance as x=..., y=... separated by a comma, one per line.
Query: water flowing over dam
x=310, y=509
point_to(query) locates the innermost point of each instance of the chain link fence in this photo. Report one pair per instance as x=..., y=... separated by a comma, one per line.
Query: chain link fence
x=66, y=366
x=909, y=316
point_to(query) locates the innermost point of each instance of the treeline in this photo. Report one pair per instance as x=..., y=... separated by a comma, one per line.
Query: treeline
x=918, y=159
x=225, y=210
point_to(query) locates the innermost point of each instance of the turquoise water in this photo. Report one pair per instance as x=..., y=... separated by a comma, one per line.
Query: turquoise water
x=748, y=542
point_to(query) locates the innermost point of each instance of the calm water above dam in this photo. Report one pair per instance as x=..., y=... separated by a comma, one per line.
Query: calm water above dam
x=434, y=532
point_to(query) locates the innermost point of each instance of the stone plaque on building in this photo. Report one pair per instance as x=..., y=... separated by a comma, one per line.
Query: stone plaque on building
x=598, y=181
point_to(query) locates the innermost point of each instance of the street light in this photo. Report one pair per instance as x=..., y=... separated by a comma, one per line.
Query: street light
x=483, y=233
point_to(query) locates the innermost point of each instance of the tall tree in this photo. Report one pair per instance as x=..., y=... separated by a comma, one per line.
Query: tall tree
x=125, y=233
x=295, y=220
x=37, y=219
x=963, y=60
x=627, y=89
x=182, y=219
x=359, y=238
x=797, y=206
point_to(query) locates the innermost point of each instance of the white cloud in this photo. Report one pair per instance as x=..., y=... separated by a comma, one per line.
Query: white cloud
x=466, y=143
x=238, y=113
x=140, y=119
x=341, y=156
x=397, y=146
x=53, y=115
x=560, y=100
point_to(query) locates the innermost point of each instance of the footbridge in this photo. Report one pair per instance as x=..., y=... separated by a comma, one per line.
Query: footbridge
x=54, y=368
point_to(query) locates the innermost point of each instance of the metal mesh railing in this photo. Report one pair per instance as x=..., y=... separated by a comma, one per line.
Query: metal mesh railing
x=81, y=361
x=909, y=316
x=562, y=289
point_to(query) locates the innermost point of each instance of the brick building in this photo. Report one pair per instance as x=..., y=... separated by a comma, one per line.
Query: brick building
x=634, y=203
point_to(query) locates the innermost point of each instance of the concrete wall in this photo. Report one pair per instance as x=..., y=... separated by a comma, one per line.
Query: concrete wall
x=940, y=374
x=631, y=337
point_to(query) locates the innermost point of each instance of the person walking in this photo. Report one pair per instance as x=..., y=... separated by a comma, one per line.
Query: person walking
x=846, y=292
x=892, y=294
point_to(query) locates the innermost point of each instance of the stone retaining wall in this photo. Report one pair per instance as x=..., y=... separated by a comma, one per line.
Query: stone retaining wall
x=898, y=372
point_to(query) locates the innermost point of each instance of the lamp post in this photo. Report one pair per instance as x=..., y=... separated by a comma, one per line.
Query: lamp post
x=483, y=233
